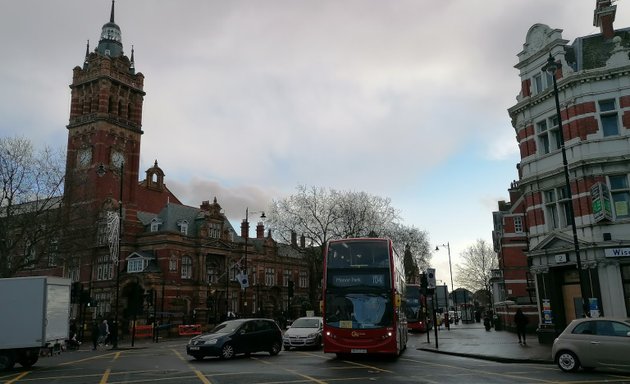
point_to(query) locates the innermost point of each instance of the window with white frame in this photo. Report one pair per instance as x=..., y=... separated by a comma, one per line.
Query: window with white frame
x=187, y=266
x=215, y=230
x=620, y=194
x=29, y=255
x=53, y=253
x=104, y=268
x=557, y=213
x=103, y=303
x=172, y=264
x=608, y=117
x=538, y=84
x=303, y=282
x=286, y=277
x=548, y=135
x=183, y=227
x=541, y=82
x=74, y=272
x=270, y=277
x=212, y=270
x=253, y=276
x=518, y=224
x=155, y=224
x=137, y=264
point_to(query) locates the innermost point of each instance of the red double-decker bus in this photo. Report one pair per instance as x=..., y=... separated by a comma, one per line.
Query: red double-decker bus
x=363, y=297
x=417, y=314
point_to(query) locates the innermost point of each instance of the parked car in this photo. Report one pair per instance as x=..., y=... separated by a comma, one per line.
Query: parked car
x=593, y=343
x=304, y=332
x=237, y=336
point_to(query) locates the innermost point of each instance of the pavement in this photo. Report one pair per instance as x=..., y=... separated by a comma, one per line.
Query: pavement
x=472, y=340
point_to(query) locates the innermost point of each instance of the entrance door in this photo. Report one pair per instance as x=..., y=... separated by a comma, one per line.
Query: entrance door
x=570, y=295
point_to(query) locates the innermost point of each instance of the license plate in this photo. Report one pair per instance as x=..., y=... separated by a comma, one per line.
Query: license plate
x=358, y=351
x=193, y=348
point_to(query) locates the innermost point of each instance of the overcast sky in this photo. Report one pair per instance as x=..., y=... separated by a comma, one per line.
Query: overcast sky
x=245, y=100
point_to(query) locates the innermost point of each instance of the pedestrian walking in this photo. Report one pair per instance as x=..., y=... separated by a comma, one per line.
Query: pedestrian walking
x=521, y=326
x=95, y=335
x=104, y=333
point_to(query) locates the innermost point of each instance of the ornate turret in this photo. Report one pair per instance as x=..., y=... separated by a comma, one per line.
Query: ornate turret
x=110, y=43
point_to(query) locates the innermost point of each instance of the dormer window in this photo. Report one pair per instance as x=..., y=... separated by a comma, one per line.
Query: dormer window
x=155, y=224
x=183, y=227
x=137, y=263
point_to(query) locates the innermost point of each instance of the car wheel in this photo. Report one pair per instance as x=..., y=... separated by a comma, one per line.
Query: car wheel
x=275, y=348
x=567, y=361
x=227, y=352
x=6, y=361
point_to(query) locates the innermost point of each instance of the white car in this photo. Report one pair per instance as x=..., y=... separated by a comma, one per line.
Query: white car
x=304, y=332
x=593, y=343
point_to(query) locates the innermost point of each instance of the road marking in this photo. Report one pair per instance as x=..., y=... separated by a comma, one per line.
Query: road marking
x=197, y=372
x=105, y=376
x=367, y=366
x=88, y=359
x=21, y=375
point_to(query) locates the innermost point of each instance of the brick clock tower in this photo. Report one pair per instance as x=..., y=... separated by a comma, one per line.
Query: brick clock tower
x=105, y=124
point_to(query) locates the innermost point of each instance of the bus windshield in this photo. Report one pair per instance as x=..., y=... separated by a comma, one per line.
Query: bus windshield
x=359, y=310
x=413, y=303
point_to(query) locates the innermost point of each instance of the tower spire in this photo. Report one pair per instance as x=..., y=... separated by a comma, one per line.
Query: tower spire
x=87, y=53
x=111, y=17
x=132, y=64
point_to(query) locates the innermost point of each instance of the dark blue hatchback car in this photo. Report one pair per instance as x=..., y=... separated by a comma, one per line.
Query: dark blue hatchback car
x=237, y=336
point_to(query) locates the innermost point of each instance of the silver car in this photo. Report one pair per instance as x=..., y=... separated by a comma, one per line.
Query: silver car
x=593, y=343
x=304, y=332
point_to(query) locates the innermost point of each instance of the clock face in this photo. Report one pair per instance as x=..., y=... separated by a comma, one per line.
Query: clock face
x=84, y=157
x=118, y=159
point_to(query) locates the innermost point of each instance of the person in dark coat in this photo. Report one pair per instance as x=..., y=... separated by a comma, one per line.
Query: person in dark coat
x=521, y=326
x=95, y=335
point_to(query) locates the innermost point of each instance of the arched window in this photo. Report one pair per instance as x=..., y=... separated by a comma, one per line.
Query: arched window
x=119, y=108
x=129, y=110
x=110, y=105
x=187, y=267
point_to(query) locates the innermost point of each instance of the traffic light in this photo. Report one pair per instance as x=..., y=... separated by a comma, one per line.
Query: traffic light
x=290, y=290
x=148, y=297
x=430, y=278
x=423, y=283
x=75, y=292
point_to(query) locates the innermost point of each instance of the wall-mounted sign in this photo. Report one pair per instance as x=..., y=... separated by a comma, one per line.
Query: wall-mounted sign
x=600, y=196
x=617, y=252
x=561, y=258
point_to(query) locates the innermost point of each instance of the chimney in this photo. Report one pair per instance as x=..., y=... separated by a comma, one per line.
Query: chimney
x=260, y=230
x=604, y=16
x=293, y=238
x=245, y=228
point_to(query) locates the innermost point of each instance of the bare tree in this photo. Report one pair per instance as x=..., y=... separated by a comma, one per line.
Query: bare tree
x=475, y=272
x=30, y=198
x=321, y=214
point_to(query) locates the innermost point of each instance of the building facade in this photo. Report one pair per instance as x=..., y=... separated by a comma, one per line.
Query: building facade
x=594, y=95
x=146, y=255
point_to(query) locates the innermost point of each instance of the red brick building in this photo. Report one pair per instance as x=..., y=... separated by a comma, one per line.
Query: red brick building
x=584, y=258
x=177, y=262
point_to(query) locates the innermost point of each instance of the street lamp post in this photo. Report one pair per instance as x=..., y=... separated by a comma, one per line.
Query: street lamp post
x=551, y=68
x=246, y=230
x=450, y=268
x=115, y=251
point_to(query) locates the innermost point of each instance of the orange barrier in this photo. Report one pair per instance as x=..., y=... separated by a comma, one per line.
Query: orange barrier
x=144, y=331
x=188, y=330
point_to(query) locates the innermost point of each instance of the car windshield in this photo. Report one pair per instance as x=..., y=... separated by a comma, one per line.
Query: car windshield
x=227, y=327
x=305, y=323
